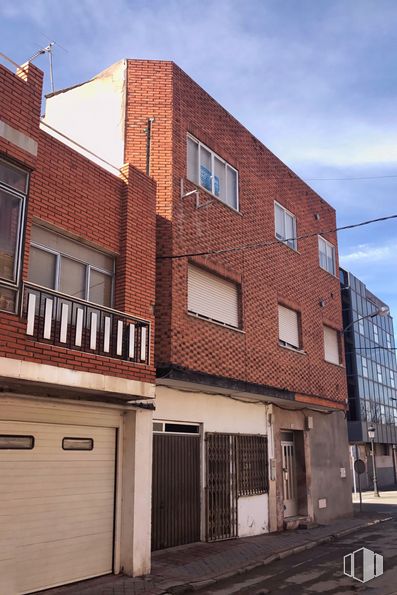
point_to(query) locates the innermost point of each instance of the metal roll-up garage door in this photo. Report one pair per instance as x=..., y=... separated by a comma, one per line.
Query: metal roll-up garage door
x=57, y=486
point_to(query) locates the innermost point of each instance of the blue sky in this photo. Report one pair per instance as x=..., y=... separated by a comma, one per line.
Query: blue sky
x=315, y=80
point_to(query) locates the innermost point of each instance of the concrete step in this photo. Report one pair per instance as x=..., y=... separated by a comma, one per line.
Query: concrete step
x=298, y=522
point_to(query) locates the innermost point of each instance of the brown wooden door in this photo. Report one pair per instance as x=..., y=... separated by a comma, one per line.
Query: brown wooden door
x=176, y=490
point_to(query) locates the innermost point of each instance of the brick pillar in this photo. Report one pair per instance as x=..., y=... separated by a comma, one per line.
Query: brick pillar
x=135, y=283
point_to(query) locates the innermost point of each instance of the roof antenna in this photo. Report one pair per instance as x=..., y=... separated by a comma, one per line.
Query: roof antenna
x=47, y=50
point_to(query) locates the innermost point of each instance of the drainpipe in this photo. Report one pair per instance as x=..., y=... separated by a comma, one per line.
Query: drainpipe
x=148, y=131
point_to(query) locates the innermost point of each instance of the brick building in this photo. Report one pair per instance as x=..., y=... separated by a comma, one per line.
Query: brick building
x=77, y=289
x=249, y=429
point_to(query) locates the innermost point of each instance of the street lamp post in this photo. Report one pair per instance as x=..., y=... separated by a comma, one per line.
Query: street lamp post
x=381, y=311
x=371, y=436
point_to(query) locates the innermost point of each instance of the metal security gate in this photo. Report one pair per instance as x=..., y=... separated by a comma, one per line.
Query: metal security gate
x=176, y=490
x=236, y=465
x=221, y=475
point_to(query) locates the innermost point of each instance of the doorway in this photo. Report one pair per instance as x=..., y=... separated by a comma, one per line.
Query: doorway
x=290, y=492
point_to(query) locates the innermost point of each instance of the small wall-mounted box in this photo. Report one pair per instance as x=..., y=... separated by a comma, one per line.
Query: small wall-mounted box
x=309, y=422
x=322, y=503
x=342, y=472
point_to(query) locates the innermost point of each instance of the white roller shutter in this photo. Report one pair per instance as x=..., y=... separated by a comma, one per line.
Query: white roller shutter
x=56, y=506
x=288, y=325
x=212, y=296
x=331, y=346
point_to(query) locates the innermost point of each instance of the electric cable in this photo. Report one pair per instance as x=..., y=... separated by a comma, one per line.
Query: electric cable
x=259, y=245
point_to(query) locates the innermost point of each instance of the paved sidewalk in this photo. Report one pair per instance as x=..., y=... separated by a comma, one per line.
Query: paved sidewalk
x=194, y=567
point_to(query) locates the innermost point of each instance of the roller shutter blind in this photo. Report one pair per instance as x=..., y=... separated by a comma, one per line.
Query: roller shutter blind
x=331, y=345
x=288, y=324
x=212, y=296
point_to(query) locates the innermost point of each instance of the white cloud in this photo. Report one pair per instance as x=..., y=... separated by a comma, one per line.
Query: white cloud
x=367, y=253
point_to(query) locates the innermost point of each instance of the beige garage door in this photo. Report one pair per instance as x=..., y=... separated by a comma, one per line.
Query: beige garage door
x=56, y=504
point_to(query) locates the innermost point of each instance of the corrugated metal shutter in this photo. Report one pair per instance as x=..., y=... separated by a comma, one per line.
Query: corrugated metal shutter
x=176, y=490
x=331, y=347
x=288, y=325
x=212, y=297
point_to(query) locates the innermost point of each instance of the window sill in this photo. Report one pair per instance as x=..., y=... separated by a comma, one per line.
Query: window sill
x=300, y=351
x=211, y=321
x=202, y=189
x=287, y=245
x=325, y=271
x=334, y=364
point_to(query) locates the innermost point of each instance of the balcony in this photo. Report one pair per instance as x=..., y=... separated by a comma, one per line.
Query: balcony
x=61, y=320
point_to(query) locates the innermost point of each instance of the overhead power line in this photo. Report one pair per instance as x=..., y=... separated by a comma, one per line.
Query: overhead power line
x=379, y=347
x=349, y=178
x=258, y=245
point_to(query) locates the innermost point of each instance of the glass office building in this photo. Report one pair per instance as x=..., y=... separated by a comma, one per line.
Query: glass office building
x=371, y=370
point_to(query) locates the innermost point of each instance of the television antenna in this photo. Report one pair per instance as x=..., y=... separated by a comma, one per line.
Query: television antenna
x=48, y=50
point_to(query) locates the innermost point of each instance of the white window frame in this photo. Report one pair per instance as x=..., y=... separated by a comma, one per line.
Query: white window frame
x=88, y=268
x=392, y=381
x=198, y=173
x=330, y=246
x=376, y=334
x=278, y=236
x=388, y=341
x=13, y=284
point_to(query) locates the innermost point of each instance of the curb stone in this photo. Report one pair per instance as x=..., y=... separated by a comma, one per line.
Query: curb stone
x=203, y=584
x=181, y=589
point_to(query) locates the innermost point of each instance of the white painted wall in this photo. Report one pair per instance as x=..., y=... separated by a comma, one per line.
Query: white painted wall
x=218, y=413
x=253, y=515
x=93, y=114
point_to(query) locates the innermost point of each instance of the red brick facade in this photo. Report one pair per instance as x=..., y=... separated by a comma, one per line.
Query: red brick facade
x=271, y=275
x=72, y=194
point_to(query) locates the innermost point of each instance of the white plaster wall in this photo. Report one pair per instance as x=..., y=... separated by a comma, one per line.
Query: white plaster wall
x=216, y=412
x=253, y=515
x=93, y=114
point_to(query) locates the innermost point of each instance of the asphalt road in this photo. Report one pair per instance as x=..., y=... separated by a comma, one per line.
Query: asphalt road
x=320, y=570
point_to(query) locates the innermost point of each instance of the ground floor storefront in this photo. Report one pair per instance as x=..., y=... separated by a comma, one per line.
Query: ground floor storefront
x=235, y=467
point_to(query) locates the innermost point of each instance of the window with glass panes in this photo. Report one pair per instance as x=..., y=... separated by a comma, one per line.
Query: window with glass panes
x=326, y=255
x=13, y=190
x=364, y=364
x=285, y=226
x=70, y=267
x=208, y=170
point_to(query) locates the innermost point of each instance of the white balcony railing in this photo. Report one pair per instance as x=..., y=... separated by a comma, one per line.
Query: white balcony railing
x=59, y=319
